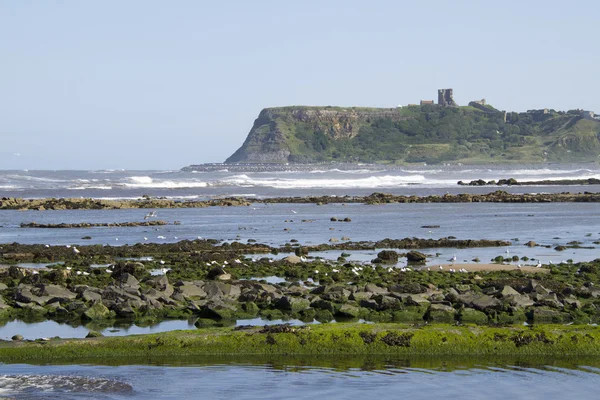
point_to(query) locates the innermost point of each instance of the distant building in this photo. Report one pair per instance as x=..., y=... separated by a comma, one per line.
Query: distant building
x=445, y=98
x=427, y=102
x=587, y=115
x=543, y=111
x=480, y=102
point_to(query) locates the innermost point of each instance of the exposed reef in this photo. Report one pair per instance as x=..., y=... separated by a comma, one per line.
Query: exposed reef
x=498, y=196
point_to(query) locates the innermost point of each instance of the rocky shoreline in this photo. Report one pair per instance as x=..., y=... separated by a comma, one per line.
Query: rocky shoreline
x=498, y=196
x=514, y=182
x=216, y=283
x=97, y=224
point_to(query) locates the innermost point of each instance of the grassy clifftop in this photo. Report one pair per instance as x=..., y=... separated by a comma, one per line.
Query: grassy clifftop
x=416, y=134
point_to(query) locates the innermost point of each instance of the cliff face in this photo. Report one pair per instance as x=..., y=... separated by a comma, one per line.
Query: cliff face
x=275, y=132
x=428, y=133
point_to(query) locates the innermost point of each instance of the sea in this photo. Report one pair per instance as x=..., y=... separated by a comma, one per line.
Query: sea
x=549, y=224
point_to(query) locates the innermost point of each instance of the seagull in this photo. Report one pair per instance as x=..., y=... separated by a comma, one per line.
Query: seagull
x=225, y=263
x=78, y=272
x=145, y=238
x=539, y=264
x=294, y=211
x=116, y=238
x=302, y=258
x=47, y=245
x=86, y=273
x=108, y=271
x=441, y=268
x=76, y=250
x=161, y=237
x=162, y=262
x=68, y=268
x=68, y=246
x=316, y=271
x=237, y=261
x=151, y=214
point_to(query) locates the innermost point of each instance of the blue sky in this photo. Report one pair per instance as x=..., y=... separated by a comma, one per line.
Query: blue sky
x=144, y=84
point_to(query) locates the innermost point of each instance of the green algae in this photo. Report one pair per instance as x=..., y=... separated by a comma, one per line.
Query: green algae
x=321, y=340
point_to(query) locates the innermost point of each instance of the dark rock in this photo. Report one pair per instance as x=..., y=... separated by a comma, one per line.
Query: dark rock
x=415, y=256
x=348, y=311
x=293, y=304
x=388, y=256
x=93, y=334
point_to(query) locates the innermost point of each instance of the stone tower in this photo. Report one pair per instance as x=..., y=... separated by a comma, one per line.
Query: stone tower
x=445, y=98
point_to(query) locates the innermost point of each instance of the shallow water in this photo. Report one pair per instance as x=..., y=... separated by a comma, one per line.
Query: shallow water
x=307, y=379
x=547, y=223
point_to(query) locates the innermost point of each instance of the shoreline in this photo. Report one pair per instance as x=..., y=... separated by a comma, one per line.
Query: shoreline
x=147, y=202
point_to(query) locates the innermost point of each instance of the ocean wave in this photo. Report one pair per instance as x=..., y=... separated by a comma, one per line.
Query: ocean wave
x=103, y=187
x=388, y=181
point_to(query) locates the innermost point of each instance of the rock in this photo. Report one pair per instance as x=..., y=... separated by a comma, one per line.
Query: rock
x=3, y=287
x=189, y=290
x=137, y=269
x=469, y=315
x=96, y=312
x=415, y=256
x=57, y=293
x=224, y=277
x=358, y=296
x=462, y=288
x=333, y=240
x=159, y=282
x=531, y=243
x=545, y=315
x=91, y=296
x=127, y=280
x=417, y=300
x=570, y=301
x=388, y=256
x=292, y=259
x=93, y=334
x=220, y=289
x=372, y=288
x=321, y=304
x=17, y=338
x=218, y=309
x=549, y=300
x=27, y=294
x=370, y=304
x=414, y=288
x=480, y=302
x=15, y=272
x=348, y=311
x=519, y=300
x=441, y=313
x=215, y=272
x=508, y=291
x=293, y=304
x=388, y=302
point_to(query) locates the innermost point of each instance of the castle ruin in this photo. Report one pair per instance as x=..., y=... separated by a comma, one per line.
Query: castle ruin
x=445, y=98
